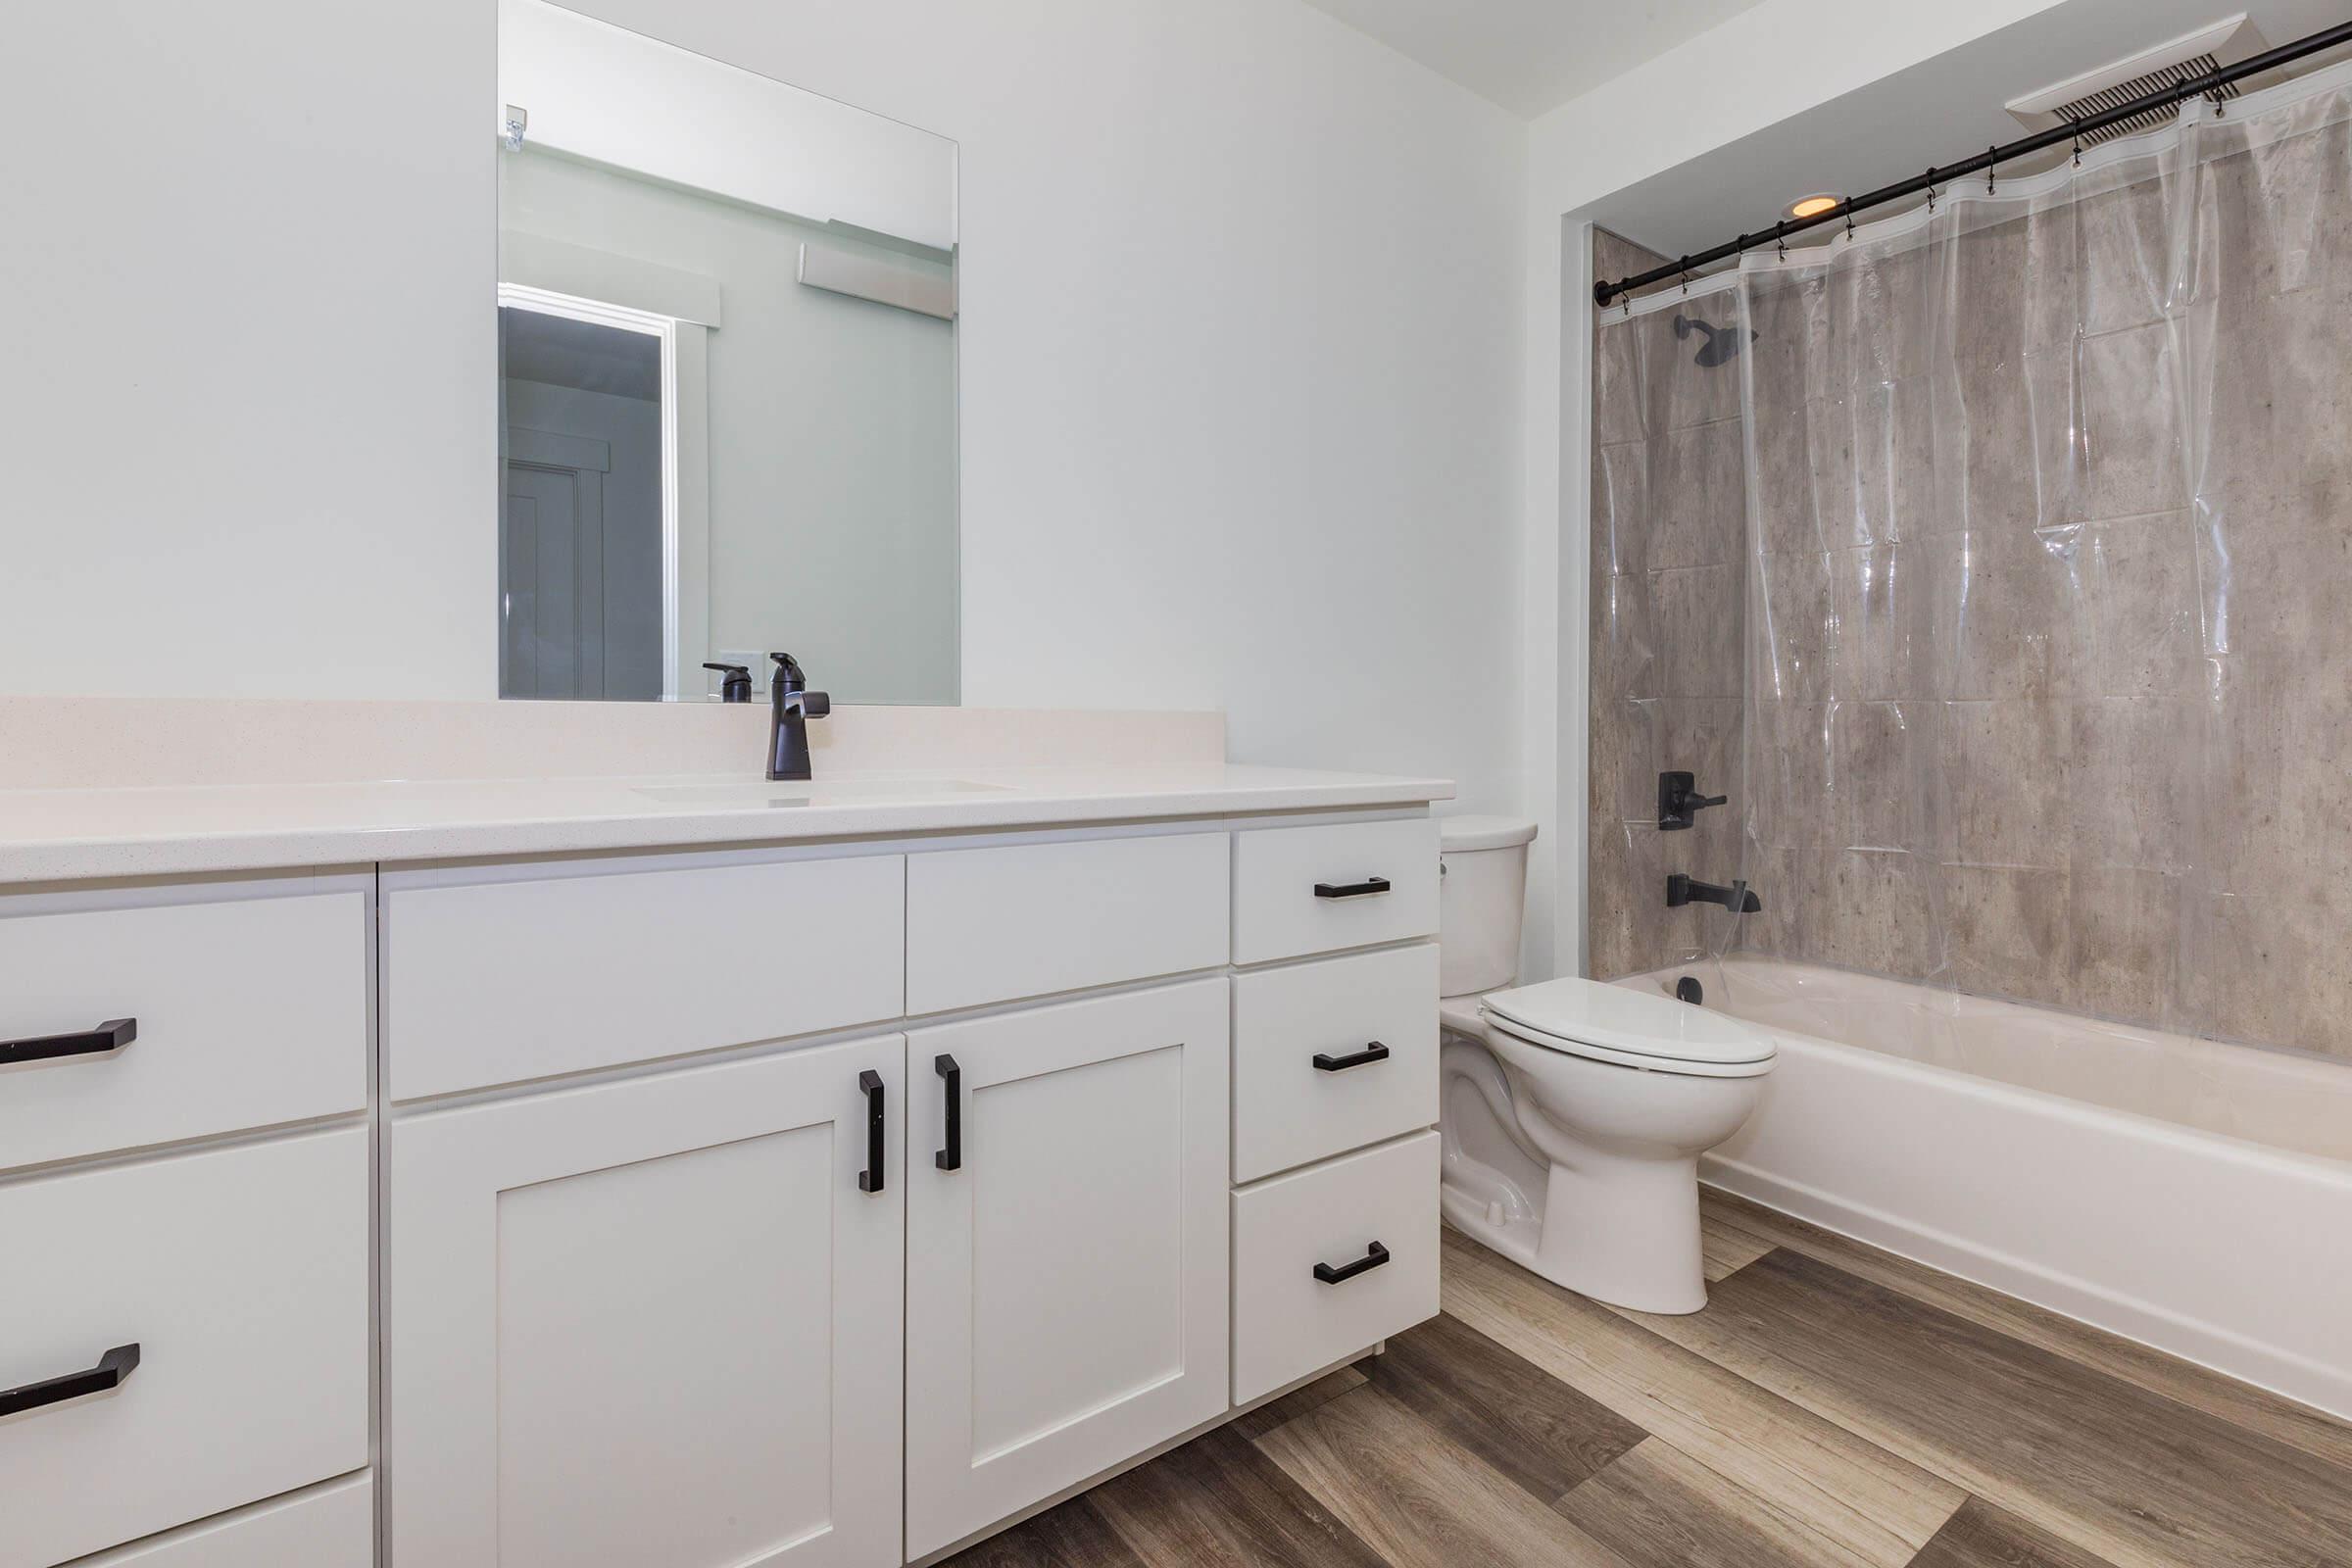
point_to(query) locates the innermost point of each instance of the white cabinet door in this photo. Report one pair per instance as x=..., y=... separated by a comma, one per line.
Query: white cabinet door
x=1066, y=1301
x=650, y=1322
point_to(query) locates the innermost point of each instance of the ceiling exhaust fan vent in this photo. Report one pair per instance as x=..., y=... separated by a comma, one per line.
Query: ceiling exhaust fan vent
x=2139, y=87
x=2193, y=54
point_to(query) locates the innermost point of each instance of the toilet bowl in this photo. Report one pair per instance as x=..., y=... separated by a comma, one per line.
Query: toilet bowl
x=1575, y=1112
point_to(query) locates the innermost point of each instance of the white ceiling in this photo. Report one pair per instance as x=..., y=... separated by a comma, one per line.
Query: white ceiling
x=1531, y=55
x=1937, y=112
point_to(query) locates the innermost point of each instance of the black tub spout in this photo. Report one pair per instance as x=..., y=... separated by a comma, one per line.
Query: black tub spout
x=1681, y=889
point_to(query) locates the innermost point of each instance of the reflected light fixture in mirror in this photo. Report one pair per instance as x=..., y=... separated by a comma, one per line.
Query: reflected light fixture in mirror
x=1809, y=206
x=727, y=341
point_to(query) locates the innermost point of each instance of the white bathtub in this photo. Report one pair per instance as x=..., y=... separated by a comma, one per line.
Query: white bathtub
x=2195, y=1196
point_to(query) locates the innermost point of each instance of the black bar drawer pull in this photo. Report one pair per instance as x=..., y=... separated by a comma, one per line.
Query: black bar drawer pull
x=111, y=1035
x=1325, y=1062
x=112, y=1368
x=869, y=1179
x=1351, y=890
x=1374, y=1255
x=950, y=1157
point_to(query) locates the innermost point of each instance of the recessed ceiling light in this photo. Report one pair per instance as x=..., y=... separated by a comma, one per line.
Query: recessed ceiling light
x=1811, y=206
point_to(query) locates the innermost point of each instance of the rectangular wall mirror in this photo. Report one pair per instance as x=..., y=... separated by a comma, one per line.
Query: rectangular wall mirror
x=728, y=420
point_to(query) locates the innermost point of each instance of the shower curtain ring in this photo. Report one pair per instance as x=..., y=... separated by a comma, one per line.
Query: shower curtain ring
x=1685, y=275
x=2078, y=128
x=1849, y=226
x=1989, y=153
x=1930, y=190
x=1780, y=239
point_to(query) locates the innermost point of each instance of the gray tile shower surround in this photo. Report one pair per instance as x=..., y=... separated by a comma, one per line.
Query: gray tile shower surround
x=2033, y=714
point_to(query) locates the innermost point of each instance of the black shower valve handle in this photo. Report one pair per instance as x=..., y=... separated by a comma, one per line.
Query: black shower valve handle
x=1679, y=802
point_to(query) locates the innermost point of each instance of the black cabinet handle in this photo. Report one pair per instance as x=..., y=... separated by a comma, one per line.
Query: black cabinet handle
x=869, y=1179
x=1325, y=1062
x=950, y=1158
x=1351, y=890
x=111, y=1035
x=112, y=1368
x=1374, y=1255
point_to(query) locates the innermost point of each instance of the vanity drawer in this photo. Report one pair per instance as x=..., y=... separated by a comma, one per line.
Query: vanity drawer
x=241, y=1275
x=1302, y=1088
x=250, y=1012
x=332, y=1526
x=1286, y=1320
x=499, y=981
x=1032, y=920
x=1301, y=890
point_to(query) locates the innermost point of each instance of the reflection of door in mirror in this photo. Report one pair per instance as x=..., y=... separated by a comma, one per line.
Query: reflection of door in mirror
x=583, y=548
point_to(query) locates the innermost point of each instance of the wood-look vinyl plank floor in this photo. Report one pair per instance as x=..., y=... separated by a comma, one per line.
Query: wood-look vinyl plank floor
x=2133, y=1477
x=1220, y=1501
x=1657, y=1507
x=1864, y=1504
x=2258, y=1409
x=1726, y=1247
x=1421, y=1500
x=1981, y=1536
x=1511, y=1413
x=1835, y=1406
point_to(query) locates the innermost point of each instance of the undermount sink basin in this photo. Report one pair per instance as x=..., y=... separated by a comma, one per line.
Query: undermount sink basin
x=751, y=793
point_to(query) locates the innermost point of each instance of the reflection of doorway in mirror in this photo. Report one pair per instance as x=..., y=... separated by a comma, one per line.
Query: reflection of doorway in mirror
x=551, y=584
x=588, y=530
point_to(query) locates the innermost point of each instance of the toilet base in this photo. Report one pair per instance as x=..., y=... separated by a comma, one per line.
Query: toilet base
x=1623, y=1231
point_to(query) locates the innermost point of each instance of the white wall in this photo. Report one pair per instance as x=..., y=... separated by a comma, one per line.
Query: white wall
x=1751, y=72
x=248, y=405
x=1240, y=355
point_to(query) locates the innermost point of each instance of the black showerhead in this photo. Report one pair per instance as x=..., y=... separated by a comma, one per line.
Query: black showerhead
x=1722, y=346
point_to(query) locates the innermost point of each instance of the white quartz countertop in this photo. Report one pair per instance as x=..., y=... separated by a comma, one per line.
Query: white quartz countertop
x=72, y=834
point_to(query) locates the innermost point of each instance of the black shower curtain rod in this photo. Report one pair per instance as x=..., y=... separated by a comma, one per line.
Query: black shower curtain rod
x=2057, y=135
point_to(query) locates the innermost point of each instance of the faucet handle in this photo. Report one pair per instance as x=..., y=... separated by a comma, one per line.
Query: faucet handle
x=1679, y=801
x=737, y=687
x=813, y=705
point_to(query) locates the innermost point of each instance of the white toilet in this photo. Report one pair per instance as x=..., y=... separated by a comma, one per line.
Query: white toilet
x=1574, y=1111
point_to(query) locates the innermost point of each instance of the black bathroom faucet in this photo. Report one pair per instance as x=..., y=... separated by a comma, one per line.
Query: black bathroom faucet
x=788, y=726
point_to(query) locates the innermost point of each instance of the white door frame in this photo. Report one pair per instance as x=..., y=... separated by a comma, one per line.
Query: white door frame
x=664, y=330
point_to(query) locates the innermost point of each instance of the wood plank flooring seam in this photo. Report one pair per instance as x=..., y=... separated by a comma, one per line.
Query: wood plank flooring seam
x=2113, y=1468
x=1880, y=1508
x=2200, y=1387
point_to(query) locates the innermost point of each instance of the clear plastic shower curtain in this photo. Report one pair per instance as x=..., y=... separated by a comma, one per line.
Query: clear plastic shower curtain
x=2044, y=691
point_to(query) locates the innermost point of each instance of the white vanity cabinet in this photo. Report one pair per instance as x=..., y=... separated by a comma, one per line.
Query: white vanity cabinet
x=185, y=1247
x=806, y=1204
x=1334, y=1203
x=654, y=1320
x=1066, y=1276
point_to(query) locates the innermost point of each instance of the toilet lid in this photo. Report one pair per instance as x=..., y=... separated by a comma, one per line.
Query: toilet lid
x=1634, y=1028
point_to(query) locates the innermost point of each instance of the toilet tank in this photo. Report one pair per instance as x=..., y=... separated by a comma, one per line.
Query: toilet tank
x=1480, y=900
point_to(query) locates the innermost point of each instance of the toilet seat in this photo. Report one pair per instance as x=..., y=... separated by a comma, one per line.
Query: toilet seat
x=1628, y=1028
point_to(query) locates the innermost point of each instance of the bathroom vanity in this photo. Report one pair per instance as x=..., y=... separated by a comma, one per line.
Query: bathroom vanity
x=581, y=1154
x=691, y=1174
